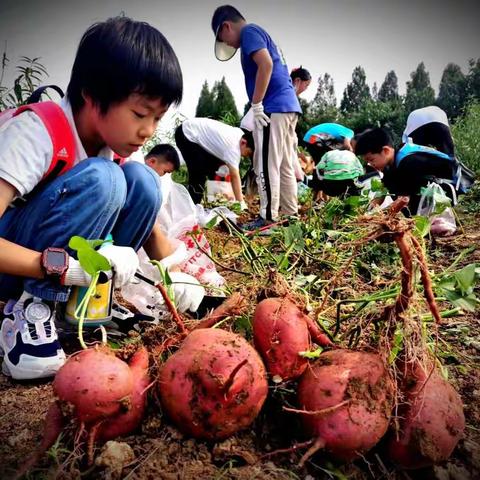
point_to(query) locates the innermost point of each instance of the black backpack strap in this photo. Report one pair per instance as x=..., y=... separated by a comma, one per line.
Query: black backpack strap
x=37, y=94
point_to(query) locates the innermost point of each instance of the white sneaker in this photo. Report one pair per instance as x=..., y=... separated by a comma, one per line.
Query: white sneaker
x=29, y=341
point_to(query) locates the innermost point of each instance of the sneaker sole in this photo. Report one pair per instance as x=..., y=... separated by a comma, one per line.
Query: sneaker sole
x=18, y=373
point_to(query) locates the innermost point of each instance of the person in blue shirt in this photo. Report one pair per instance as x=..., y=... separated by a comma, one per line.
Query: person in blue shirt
x=274, y=110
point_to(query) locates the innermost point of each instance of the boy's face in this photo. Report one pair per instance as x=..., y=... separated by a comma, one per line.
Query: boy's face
x=380, y=160
x=160, y=165
x=128, y=124
x=230, y=34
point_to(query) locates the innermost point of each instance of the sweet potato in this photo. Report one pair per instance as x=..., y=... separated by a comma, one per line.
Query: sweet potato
x=127, y=422
x=214, y=385
x=346, y=399
x=280, y=333
x=95, y=383
x=432, y=421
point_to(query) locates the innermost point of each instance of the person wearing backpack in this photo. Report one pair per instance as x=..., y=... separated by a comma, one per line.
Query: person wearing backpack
x=124, y=78
x=429, y=127
x=408, y=169
x=274, y=108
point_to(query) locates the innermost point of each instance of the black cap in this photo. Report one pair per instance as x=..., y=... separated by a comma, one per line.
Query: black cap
x=224, y=52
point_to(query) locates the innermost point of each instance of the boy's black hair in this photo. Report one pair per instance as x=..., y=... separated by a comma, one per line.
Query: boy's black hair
x=121, y=56
x=225, y=13
x=248, y=136
x=372, y=141
x=302, y=73
x=168, y=152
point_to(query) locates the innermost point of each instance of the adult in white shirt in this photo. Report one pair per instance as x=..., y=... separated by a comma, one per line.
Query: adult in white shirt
x=208, y=144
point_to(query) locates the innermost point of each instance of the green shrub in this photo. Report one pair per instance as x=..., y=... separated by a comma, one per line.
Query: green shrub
x=466, y=135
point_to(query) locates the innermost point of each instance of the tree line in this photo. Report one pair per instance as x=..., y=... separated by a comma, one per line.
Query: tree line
x=361, y=106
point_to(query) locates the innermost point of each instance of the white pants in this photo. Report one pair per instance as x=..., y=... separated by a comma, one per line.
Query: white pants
x=273, y=165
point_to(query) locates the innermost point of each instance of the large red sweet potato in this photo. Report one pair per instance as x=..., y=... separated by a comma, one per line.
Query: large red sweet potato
x=432, y=421
x=95, y=383
x=280, y=333
x=214, y=385
x=126, y=422
x=347, y=400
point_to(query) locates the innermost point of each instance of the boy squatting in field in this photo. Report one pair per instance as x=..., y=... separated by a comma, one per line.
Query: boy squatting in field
x=405, y=177
x=163, y=158
x=275, y=109
x=124, y=78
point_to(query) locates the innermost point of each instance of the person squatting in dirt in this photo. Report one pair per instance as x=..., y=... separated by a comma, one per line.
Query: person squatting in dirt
x=405, y=170
x=124, y=78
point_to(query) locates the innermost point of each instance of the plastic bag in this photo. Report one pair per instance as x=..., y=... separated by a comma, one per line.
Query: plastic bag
x=435, y=204
x=219, y=190
x=178, y=218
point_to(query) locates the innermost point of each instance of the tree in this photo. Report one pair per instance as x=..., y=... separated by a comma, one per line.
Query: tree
x=452, y=94
x=356, y=93
x=419, y=91
x=205, y=105
x=473, y=79
x=224, y=103
x=465, y=134
x=31, y=73
x=323, y=107
x=389, y=88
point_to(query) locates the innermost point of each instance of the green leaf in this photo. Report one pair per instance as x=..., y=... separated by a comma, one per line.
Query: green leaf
x=93, y=262
x=96, y=243
x=211, y=223
x=466, y=277
x=468, y=302
x=311, y=355
x=167, y=278
x=397, y=344
x=422, y=226
x=78, y=243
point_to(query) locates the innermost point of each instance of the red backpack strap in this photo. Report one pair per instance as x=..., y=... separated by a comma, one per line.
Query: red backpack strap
x=61, y=136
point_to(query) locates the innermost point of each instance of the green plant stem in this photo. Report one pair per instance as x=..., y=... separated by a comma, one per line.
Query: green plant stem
x=81, y=310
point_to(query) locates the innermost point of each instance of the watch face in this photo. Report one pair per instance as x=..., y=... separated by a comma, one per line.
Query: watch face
x=55, y=259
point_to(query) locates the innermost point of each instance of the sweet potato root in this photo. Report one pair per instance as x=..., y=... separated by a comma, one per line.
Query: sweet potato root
x=346, y=400
x=214, y=385
x=432, y=420
x=280, y=333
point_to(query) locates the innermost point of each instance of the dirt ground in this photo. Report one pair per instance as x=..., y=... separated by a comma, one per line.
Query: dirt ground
x=161, y=452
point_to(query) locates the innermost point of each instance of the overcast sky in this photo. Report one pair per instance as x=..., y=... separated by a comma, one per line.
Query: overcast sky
x=330, y=36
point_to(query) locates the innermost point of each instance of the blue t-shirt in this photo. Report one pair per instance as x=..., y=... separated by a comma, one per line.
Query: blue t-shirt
x=337, y=131
x=280, y=96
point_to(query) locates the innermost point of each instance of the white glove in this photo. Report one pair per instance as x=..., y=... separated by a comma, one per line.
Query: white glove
x=187, y=290
x=124, y=262
x=259, y=116
x=178, y=256
x=76, y=275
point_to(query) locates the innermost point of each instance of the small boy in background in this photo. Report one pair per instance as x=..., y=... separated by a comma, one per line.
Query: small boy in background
x=337, y=172
x=163, y=159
